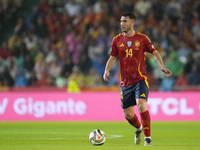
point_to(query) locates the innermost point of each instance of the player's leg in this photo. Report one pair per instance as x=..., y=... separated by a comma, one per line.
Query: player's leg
x=134, y=121
x=128, y=102
x=145, y=120
x=131, y=117
x=142, y=92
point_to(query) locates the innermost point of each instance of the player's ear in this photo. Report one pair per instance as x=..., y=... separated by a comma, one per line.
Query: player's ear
x=133, y=22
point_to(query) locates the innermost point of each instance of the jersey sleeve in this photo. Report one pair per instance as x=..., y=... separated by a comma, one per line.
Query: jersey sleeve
x=114, y=51
x=148, y=45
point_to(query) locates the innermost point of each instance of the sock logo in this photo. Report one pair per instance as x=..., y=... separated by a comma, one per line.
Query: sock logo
x=145, y=128
x=145, y=122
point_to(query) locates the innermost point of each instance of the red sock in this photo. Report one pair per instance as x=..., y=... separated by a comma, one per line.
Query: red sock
x=135, y=122
x=146, y=123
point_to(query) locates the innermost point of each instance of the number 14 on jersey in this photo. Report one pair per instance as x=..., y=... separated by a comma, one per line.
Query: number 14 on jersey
x=129, y=52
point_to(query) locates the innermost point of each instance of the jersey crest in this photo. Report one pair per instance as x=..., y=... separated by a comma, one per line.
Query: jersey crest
x=129, y=43
x=137, y=45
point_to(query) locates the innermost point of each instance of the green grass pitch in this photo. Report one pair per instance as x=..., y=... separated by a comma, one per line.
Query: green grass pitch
x=74, y=136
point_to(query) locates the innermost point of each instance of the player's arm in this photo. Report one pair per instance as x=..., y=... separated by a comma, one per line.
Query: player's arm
x=109, y=65
x=159, y=60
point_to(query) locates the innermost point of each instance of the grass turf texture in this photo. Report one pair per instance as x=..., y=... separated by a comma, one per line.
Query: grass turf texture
x=74, y=136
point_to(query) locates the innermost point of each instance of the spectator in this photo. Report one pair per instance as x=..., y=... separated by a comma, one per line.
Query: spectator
x=100, y=6
x=7, y=78
x=89, y=17
x=28, y=63
x=72, y=8
x=143, y=7
x=67, y=67
x=74, y=45
x=2, y=18
x=60, y=81
x=196, y=30
x=14, y=41
x=181, y=81
x=54, y=69
x=51, y=55
x=174, y=64
x=2, y=68
x=158, y=8
x=95, y=50
x=196, y=53
x=11, y=66
x=174, y=9
x=167, y=84
x=40, y=67
x=30, y=40
x=84, y=64
x=77, y=76
x=188, y=65
x=99, y=64
x=21, y=79
x=5, y=51
x=77, y=22
x=194, y=76
x=183, y=51
x=40, y=29
x=20, y=27
x=93, y=79
x=7, y=9
x=31, y=20
x=43, y=7
x=32, y=80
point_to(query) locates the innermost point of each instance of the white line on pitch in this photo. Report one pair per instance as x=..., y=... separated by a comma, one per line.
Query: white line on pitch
x=110, y=136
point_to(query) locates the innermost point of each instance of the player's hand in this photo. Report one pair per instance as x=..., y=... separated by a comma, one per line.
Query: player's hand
x=105, y=76
x=166, y=71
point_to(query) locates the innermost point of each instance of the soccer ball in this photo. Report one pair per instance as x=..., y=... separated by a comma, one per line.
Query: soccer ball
x=97, y=137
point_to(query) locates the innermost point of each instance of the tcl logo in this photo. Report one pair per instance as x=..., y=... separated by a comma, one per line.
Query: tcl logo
x=170, y=106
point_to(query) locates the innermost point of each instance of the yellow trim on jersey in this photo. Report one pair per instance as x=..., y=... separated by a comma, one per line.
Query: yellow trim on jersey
x=145, y=78
x=118, y=35
x=144, y=35
x=140, y=33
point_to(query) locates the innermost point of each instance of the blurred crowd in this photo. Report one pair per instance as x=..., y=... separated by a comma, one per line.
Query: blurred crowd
x=7, y=9
x=69, y=41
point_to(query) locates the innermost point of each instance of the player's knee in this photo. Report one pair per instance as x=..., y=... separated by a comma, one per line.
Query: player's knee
x=141, y=107
x=128, y=116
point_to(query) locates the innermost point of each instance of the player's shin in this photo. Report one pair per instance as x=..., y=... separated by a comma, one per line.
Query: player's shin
x=135, y=122
x=146, y=123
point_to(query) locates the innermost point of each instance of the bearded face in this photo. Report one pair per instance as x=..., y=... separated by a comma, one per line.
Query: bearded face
x=126, y=24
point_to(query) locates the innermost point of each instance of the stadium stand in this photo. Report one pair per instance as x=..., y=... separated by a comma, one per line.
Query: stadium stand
x=69, y=40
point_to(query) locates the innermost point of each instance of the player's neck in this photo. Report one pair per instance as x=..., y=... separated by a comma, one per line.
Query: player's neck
x=130, y=33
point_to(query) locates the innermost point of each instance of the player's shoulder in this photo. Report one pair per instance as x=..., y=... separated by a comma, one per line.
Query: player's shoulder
x=142, y=35
x=118, y=36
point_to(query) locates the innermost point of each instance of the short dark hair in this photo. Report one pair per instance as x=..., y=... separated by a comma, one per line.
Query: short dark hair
x=129, y=14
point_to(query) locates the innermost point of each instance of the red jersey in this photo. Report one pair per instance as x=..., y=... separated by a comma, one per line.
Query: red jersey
x=131, y=51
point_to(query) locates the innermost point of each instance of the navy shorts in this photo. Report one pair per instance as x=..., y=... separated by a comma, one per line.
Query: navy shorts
x=130, y=93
